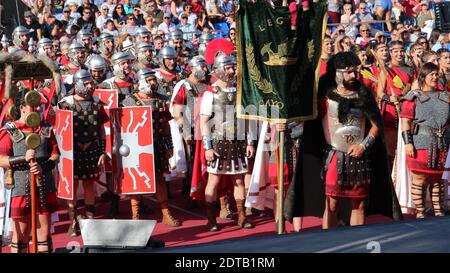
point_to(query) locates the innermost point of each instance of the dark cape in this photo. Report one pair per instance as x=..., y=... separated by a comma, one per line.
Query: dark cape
x=306, y=193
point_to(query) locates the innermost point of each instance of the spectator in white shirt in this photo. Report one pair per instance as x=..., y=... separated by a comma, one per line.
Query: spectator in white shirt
x=131, y=26
x=101, y=20
x=167, y=26
x=192, y=17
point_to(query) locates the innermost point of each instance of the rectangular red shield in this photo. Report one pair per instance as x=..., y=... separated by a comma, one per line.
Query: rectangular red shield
x=133, y=154
x=110, y=98
x=64, y=137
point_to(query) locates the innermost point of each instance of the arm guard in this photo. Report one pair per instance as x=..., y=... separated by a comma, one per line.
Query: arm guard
x=368, y=142
x=407, y=137
x=207, y=143
x=17, y=162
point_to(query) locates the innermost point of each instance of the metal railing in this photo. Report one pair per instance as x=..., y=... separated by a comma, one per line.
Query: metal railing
x=371, y=22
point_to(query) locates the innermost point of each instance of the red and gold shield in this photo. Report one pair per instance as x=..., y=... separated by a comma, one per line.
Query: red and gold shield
x=132, y=150
x=64, y=137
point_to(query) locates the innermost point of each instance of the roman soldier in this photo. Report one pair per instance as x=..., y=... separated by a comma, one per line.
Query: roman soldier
x=122, y=80
x=89, y=142
x=342, y=155
x=167, y=74
x=45, y=46
x=143, y=35
x=204, y=39
x=22, y=162
x=144, y=58
x=184, y=98
x=426, y=135
x=147, y=96
x=226, y=148
x=106, y=46
x=98, y=68
x=21, y=37
x=77, y=57
x=84, y=37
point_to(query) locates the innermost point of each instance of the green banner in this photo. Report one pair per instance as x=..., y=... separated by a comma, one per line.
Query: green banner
x=277, y=63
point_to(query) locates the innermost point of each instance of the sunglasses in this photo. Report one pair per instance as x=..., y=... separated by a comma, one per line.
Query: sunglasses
x=166, y=17
x=183, y=17
x=364, y=30
x=119, y=7
x=105, y=9
x=232, y=33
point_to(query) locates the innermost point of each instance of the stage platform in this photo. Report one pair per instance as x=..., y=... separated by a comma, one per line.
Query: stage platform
x=430, y=235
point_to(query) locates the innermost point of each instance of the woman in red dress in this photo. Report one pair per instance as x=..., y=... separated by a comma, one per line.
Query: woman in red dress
x=425, y=121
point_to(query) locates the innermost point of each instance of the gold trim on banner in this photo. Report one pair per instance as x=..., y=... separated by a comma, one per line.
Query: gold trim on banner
x=262, y=84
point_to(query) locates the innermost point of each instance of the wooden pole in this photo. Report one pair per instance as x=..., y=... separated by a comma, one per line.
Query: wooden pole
x=280, y=224
x=33, y=213
x=33, y=202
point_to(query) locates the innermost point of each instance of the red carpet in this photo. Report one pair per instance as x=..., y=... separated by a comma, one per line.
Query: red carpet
x=192, y=231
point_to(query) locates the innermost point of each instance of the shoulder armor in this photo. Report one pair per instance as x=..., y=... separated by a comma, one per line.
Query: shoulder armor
x=444, y=96
x=14, y=133
x=46, y=131
x=413, y=94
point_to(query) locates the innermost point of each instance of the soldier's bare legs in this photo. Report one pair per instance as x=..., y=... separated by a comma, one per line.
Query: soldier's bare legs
x=161, y=195
x=330, y=214
x=418, y=192
x=239, y=187
x=437, y=190
x=89, y=198
x=358, y=216
x=73, y=213
x=21, y=235
x=211, y=187
x=43, y=233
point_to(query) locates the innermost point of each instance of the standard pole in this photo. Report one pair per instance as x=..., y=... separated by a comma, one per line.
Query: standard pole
x=33, y=213
x=280, y=225
x=33, y=203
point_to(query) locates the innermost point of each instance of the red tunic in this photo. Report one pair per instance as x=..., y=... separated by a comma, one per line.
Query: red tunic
x=388, y=110
x=418, y=163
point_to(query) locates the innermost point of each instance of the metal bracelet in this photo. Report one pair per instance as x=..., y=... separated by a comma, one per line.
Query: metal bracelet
x=207, y=143
x=407, y=137
x=368, y=141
